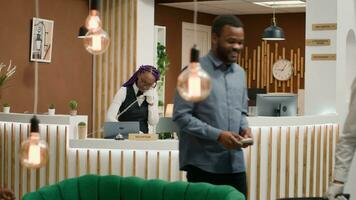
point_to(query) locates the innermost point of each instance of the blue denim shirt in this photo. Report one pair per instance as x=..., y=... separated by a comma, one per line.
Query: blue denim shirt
x=201, y=123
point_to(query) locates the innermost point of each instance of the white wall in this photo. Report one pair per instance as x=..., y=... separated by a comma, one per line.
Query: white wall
x=145, y=32
x=346, y=61
x=346, y=69
x=320, y=81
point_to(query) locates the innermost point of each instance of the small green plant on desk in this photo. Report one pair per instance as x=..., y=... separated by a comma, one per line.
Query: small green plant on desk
x=165, y=135
x=6, y=107
x=51, y=109
x=73, y=105
x=82, y=130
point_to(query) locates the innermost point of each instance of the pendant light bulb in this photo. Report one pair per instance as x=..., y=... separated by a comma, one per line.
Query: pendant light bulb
x=193, y=83
x=273, y=32
x=34, y=151
x=96, y=42
x=93, y=22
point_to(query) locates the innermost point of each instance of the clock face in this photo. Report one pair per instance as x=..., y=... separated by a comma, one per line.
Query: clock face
x=282, y=69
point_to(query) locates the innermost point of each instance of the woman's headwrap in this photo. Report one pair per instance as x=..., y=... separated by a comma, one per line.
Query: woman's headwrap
x=142, y=69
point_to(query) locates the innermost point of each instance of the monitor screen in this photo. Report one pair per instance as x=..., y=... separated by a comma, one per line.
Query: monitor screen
x=276, y=104
x=112, y=129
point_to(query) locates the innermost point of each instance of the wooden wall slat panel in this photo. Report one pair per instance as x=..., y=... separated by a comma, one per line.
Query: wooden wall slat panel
x=263, y=58
x=114, y=67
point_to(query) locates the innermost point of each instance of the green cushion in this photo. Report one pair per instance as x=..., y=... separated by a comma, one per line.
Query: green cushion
x=94, y=187
x=153, y=189
x=50, y=192
x=109, y=187
x=131, y=188
x=69, y=189
x=197, y=191
x=88, y=187
x=175, y=190
x=225, y=192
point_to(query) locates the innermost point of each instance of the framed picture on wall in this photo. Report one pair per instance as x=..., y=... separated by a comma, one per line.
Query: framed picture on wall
x=41, y=40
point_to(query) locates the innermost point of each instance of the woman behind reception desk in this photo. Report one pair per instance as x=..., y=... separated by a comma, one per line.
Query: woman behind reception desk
x=137, y=99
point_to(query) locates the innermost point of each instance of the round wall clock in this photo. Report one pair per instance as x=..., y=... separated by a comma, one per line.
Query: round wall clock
x=282, y=69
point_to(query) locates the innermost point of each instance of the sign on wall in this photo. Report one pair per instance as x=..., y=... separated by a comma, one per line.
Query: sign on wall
x=323, y=56
x=41, y=40
x=317, y=42
x=324, y=27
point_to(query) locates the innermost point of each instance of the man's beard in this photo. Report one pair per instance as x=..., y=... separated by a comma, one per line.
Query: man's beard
x=224, y=55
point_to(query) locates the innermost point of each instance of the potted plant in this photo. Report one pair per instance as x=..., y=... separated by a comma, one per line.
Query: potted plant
x=6, y=72
x=6, y=108
x=51, y=109
x=162, y=63
x=82, y=130
x=73, y=105
x=162, y=59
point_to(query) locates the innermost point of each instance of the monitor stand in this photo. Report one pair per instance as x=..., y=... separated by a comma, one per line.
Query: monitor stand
x=278, y=110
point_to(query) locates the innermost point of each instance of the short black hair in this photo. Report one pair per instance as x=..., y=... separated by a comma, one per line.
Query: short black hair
x=222, y=20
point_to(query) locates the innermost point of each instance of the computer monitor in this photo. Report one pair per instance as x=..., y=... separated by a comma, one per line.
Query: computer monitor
x=112, y=129
x=165, y=124
x=276, y=104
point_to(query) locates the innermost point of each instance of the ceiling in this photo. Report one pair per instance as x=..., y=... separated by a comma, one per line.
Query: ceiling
x=234, y=7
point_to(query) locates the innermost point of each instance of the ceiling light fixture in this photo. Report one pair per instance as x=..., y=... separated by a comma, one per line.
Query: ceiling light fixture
x=281, y=4
x=34, y=151
x=96, y=41
x=273, y=32
x=93, y=22
x=82, y=32
x=194, y=84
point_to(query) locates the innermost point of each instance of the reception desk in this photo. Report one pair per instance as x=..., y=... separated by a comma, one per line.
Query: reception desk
x=15, y=128
x=292, y=156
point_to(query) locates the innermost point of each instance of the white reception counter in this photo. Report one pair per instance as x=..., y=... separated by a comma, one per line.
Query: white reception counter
x=292, y=156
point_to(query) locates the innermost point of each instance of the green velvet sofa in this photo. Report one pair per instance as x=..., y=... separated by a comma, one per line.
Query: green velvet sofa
x=94, y=187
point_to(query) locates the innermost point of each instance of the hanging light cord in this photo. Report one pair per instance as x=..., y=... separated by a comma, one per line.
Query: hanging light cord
x=274, y=14
x=195, y=21
x=37, y=10
x=36, y=66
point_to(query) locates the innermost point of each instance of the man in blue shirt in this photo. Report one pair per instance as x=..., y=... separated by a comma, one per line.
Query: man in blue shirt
x=211, y=130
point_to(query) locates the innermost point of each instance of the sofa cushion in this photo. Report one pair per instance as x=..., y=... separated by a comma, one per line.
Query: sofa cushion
x=69, y=189
x=197, y=191
x=109, y=187
x=88, y=187
x=153, y=189
x=225, y=192
x=131, y=188
x=50, y=192
x=175, y=190
x=94, y=187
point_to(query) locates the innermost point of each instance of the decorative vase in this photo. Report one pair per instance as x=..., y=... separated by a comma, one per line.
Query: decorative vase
x=82, y=132
x=6, y=109
x=51, y=111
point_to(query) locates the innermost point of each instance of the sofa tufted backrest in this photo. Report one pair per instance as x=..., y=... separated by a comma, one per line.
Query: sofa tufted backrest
x=94, y=187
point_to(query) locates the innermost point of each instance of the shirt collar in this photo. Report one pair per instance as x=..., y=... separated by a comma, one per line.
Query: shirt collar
x=219, y=63
x=135, y=88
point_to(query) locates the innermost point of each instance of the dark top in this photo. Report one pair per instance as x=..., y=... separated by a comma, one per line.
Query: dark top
x=135, y=112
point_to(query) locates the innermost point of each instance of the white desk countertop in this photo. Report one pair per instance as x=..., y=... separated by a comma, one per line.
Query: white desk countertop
x=44, y=119
x=171, y=145
x=293, y=121
x=124, y=144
